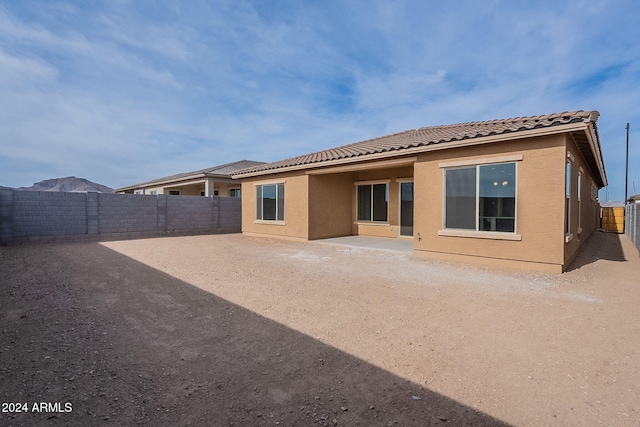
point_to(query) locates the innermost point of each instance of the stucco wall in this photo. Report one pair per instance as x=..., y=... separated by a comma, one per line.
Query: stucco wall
x=539, y=204
x=223, y=188
x=296, y=206
x=589, y=215
x=330, y=205
x=322, y=206
x=187, y=190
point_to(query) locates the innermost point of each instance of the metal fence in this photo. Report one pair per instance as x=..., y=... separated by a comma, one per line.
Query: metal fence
x=632, y=223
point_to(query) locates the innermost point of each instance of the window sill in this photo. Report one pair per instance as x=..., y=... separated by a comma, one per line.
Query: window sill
x=379, y=223
x=568, y=238
x=492, y=235
x=269, y=222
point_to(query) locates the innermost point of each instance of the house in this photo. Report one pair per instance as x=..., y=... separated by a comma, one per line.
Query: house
x=213, y=181
x=518, y=192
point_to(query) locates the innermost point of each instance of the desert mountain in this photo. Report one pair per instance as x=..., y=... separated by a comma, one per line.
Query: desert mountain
x=69, y=184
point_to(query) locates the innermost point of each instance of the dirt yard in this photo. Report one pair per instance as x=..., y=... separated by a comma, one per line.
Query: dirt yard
x=234, y=330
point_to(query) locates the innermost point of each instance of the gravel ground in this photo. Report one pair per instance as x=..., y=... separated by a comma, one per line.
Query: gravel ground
x=235, y=330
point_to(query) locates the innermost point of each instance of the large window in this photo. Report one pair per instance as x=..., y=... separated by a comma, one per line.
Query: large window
x=461, y=198
x=481, y=198
x=373, y=202
x=270, y=202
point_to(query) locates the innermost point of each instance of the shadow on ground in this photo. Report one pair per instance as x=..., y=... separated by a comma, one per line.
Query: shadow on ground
x=599, y=245
x=126, y=344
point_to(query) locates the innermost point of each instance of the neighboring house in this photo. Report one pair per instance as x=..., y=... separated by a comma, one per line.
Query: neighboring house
x=213, y=181
x=516, y=192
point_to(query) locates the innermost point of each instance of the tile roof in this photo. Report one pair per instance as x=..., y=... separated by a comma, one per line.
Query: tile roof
x=223, y=171
x=426, y=136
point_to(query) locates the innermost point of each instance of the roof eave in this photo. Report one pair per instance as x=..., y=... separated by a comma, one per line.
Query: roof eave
x=181, y=180
x=549, y=130
x=594, y=143
x=165, y=181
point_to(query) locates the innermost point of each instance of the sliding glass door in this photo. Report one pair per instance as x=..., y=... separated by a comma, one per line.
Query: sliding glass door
x=406, y=209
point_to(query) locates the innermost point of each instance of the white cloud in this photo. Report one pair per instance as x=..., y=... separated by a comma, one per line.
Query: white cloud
x=133, y=91
x=17, y=71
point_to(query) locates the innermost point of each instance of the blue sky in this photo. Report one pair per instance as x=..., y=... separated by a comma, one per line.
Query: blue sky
x=120, y=92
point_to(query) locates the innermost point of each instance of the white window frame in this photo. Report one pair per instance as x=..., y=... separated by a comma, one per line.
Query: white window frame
x=477, y=233
x=372, y=183
x=259, y=187
x=568, y=195
x=579, y=194
x=175, y=191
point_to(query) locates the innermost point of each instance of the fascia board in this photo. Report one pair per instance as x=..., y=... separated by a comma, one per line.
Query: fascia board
x=595, y=148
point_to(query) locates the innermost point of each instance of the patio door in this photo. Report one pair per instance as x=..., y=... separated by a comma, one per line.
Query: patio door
x=406, y=209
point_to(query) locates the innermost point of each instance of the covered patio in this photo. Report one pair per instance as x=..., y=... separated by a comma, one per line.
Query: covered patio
x=370, y=242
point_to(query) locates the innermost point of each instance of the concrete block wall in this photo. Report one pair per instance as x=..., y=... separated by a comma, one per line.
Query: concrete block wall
x=27, y=216
x=128, y=213
x=6, y=215
x=229, y=213
x=42, y=213
x=190, y=213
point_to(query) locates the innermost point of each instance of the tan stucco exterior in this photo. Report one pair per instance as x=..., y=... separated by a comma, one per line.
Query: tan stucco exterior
x=330, y=208
x=539, y=203
x=296, y=214
x=586, y=220
x=321, y=204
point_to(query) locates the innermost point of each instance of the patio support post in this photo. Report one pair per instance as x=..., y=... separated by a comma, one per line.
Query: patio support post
x=208, y=187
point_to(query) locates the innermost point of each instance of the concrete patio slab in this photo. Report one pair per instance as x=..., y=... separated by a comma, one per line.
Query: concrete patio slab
x=367, y=242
